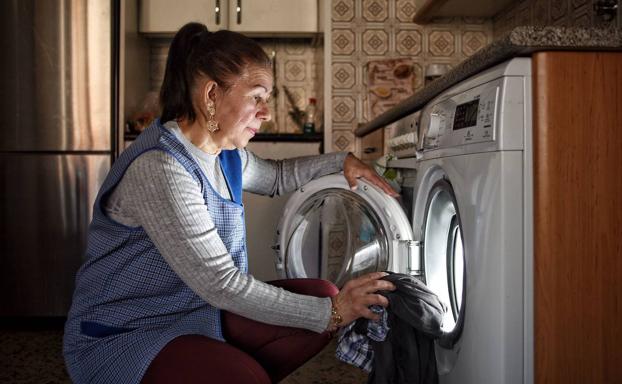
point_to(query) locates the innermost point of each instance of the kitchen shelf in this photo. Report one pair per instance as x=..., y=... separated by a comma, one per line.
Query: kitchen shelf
x=292, y=137
x=282, y=137
x=427, y=10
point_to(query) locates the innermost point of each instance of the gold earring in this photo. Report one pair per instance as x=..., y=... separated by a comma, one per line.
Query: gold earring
x=212, y=125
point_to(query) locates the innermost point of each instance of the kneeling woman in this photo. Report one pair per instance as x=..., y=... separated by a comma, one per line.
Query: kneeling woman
x=164, y=294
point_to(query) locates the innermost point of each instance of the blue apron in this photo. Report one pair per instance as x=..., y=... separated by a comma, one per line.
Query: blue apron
x=128, y=302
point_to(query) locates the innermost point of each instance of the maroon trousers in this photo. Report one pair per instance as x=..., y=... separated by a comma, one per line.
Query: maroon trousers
x=254, y=353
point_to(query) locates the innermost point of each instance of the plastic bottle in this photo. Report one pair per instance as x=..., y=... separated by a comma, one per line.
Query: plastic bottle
x=309, y=126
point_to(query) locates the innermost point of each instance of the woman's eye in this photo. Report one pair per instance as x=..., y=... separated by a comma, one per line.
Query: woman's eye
x=259, y=99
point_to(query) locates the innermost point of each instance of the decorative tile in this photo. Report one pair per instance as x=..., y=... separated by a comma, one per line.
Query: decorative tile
x=582, y=17
x=295, y=70
x=294, y=48
x=344, y=140
x=540, y=12
x=375, y=10
x=343, y=10
x=344, y=109
x=441, y=43
x=408, y=42
x=343, y=75
x=343, y=41
x=473, y=41
x=375, y=42
x=558, y=9
x=405, y=10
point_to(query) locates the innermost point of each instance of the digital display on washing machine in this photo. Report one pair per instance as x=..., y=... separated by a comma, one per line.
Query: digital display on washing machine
x=466, y=115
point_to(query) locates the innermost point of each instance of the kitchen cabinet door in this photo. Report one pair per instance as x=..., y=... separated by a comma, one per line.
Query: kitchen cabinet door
x=166, y=17
x=273, y=16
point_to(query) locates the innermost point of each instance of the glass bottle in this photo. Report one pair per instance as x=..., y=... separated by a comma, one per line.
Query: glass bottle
x=309, y=126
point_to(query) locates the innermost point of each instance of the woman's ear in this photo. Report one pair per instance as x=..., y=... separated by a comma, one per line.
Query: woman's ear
x=209, y=91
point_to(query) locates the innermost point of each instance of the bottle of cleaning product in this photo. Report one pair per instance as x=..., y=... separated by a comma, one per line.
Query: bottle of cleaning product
x=309, y=126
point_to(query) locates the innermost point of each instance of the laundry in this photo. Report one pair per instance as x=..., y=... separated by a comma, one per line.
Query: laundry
x=353, y=345
x=410, y=324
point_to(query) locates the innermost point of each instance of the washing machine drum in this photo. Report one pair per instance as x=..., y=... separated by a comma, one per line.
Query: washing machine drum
x=331, y=232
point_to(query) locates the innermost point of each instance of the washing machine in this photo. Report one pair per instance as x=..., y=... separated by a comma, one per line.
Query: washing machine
x=462, y=225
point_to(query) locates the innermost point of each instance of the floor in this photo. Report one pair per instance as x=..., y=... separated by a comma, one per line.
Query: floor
x=32, y=354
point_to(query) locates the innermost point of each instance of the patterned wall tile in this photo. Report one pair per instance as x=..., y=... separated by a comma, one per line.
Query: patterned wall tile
x=343, y=139
x=393, y=36
x=473, y=41
x=441, y=43
x=375, y=10
x=344, y=75
x=344, y=109
x=343, y=42
x=550, y=12
x=582, y=16
x=540, y=12
x=405, y=10
x=408, y=42
x=295, y=70
x=375, y=42
x=559, y=10
x=343, y=10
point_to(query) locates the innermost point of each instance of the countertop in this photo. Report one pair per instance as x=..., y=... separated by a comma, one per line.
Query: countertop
x=521, y=41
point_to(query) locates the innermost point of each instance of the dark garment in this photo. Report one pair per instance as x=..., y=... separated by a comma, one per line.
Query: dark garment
x=407, y=354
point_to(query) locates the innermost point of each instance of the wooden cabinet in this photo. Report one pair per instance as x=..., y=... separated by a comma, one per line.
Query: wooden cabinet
x=166, y=17
x=577, y=107
x=252, y=17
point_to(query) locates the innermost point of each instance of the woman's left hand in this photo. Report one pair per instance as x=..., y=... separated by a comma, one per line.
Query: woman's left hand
x=353, y=169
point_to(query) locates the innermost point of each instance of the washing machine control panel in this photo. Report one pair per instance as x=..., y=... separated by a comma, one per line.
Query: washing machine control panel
x=464, y=118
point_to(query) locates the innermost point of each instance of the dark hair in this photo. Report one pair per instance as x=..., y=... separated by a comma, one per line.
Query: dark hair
x=222, y=56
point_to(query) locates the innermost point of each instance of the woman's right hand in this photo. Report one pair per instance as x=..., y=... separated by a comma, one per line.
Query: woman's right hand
x=357, y=295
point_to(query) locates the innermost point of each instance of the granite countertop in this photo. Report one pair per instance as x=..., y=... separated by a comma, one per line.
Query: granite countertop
x=521, y=41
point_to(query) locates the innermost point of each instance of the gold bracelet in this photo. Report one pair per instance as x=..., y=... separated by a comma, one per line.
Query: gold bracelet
x=335, y=317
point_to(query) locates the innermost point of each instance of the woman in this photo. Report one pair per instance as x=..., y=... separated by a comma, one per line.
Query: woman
x=165, y=283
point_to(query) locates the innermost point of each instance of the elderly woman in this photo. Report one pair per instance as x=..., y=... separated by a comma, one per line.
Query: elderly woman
x=164, y=295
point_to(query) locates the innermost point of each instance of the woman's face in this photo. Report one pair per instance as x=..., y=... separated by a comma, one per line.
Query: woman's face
x=242, y=108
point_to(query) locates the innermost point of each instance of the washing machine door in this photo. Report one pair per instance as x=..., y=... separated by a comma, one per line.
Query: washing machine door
x=331, y=232
x=443, y=257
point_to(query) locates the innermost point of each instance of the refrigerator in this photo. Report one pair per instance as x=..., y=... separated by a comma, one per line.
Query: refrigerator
x=58, y=110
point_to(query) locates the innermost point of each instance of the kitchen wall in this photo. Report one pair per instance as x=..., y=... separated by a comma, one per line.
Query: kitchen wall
x=550, y=12
x=364, y=30
x=299, y=67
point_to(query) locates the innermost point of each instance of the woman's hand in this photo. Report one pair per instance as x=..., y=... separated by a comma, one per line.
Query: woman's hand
x=353, y=168
x=357, y=295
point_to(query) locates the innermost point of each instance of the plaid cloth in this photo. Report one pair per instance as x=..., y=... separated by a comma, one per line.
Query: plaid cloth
x=354, y=348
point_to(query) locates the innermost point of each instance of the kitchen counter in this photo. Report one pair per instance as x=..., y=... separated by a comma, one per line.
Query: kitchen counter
x=521, y=41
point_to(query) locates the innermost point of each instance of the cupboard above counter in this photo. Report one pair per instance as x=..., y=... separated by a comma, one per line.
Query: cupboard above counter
x=254, y=18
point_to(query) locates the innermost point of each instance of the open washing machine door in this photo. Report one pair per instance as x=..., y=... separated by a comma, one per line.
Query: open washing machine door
x=440, y=235
x=331, y=232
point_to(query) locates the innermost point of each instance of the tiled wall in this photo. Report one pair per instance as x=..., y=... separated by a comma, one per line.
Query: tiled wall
x=550, y=12
x=299, y=67
x=364, y=30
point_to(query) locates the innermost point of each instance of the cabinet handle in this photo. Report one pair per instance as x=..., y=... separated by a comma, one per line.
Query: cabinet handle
x=217, y=12
x=239, y=11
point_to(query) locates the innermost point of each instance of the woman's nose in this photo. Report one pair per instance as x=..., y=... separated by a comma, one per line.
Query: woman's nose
x=264, y=112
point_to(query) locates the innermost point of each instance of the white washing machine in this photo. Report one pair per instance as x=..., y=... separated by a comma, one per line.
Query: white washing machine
x=463, y=225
